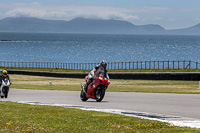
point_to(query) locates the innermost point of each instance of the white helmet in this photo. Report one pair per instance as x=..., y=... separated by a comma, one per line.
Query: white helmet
x=103, y=64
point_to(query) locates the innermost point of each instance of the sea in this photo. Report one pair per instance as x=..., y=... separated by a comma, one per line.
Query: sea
x=92, y=48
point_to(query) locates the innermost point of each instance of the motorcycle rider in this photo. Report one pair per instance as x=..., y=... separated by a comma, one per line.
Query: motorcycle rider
x=99, y=69
x=3, y=76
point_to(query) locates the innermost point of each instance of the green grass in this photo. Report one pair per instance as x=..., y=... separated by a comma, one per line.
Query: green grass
x=19, y=118
x=156, y=86
x=69, y=84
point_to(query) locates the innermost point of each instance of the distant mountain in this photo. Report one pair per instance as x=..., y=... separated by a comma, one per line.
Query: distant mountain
x=81, y=25
x=26, y=24
x=86, y=26
x=194, y=30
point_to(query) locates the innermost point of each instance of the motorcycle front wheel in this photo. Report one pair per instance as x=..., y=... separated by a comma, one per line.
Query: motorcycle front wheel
x=83, y=96
x=6, y=94
x=100, y=92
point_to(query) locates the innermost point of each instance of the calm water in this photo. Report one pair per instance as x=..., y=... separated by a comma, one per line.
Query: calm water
x=79, y=48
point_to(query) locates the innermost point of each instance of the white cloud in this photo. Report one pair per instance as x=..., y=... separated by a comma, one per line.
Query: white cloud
x=197, y=19
x=171, y=19
x=29, y=12
x=156, y=18
x=67, y=12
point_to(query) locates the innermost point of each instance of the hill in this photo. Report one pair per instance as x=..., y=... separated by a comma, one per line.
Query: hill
x=194, y=30
x=87, y=26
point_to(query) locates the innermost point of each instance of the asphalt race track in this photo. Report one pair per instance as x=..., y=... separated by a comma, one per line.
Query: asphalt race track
x=179, y=107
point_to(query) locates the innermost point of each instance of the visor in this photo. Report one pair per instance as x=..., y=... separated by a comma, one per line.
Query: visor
x=104, y=65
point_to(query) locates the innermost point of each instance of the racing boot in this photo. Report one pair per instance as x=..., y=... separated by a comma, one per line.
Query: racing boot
x=86, y=85
x=85, y=88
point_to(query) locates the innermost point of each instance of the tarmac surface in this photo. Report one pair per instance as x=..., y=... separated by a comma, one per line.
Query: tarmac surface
x=178, y=109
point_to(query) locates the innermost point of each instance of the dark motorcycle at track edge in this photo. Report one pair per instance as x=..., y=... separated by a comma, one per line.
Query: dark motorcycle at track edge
x=5, y=86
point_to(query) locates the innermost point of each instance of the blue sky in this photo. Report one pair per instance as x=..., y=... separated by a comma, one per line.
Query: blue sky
x=170, y=14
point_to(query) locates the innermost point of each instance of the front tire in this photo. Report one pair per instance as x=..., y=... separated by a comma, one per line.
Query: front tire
x=100, y=94
x=83, y=96
x=6, y=94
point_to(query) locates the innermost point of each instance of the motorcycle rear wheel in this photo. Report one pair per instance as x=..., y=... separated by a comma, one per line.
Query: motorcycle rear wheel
x=83, y=96
x=100, y=94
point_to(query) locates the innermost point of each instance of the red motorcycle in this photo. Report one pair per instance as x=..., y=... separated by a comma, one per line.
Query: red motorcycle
x=96, y=89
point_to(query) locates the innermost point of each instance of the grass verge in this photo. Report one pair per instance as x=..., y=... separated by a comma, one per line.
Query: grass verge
x=17, y=117
x=69, y=84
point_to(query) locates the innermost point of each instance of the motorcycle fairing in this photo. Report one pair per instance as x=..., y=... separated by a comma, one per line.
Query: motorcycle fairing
x=91, y=89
